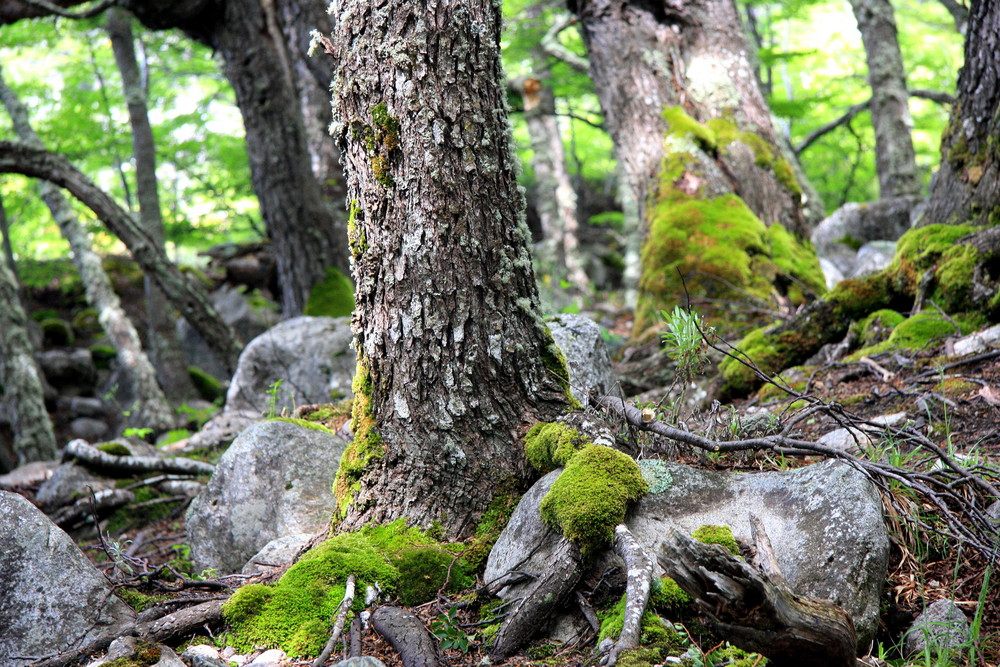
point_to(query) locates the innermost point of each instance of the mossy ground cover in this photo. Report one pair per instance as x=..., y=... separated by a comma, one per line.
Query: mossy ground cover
x=296, y=614
x=333, y=296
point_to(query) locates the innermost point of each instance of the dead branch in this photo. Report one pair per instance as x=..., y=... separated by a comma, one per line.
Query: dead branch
x=338, y=626
x=640, y=575
x=552, y=46
x=92, y=457
x=758, y=612
x=100, y=502
x=407, y=635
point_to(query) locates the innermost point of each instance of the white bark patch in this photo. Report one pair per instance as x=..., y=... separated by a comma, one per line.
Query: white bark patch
x=402, y=408
x=710, y=82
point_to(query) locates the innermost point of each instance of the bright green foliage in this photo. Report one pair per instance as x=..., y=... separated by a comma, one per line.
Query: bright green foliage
x=876, y=327
x=591, y=496
x=668, y=597
x=549, y=445
x=331, y=297
x=721, y=535
x=206, y=384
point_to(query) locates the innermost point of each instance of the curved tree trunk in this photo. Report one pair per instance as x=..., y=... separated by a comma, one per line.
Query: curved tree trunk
x=151, y=409
x=657, y=66
x=453, y=358
x=895, y=161
x=164, y=345
x=967, y=185
x=34, y=439
x=189, y=297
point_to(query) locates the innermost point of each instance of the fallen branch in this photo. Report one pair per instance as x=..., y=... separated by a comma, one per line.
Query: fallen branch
x=407, y=635
x=92, y=457
x=338, y=626
x=100, y=502
x=639, y=567
x=758, y=612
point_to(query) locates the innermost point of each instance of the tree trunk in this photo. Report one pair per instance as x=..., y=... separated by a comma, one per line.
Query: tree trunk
x=967, y=186
x=187, y=295
x=164, y=345
x=151, y=409
x=453, y=358
x=34, y=439
x=894, y=157
x=556, y=198
x=682, y=71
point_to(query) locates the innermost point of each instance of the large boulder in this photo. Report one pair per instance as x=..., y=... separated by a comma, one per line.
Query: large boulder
x=586, y=354
x=275, y=480
x=70, y=370
x=824, y=521
x=52, y=598
x=308, y=357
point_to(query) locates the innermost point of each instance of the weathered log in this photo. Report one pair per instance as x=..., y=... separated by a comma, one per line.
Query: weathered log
x=547, y=593
x=92, y=457
x=407, y=635
x=757, y=613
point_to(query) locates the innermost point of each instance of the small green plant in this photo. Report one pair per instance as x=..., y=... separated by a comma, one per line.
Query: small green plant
x=683, y=342
x=272, y=399
x=141, y=433
x=448, y=631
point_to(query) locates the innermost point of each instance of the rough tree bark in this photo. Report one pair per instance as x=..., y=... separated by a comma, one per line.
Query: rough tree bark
x=247, y=35
x=895, y=160
x=34, y=439
x=189, y=297
x=164, y=345
x=453, y=357
x=691, y=58
x=151, y=408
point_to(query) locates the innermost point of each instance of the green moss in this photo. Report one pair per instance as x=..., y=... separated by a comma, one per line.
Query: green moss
x=145, y=655
x=555, y=363
x=668, y=597
x=57, y=332
x=591, y=496
x=641, y=657
x=207, y=385
x=114, y=448
x=423, y=571
x=876, y=327
x=726, y=132
x=355, y=233
x=333, y=296
x=934, y=247
x=549, y=445
x=490, y=525
x=381, y=141
x=304, y=423
x=367, y=444
x=652, y=630
x=786, y=176
x=721, y=535
x=797, y=263
x=86, y=321
x=103, y=355
x=681, y=124
x=851, y=242
x=139, y=601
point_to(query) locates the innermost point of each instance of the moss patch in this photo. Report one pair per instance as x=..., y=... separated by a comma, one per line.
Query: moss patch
x=207, y=385
x=591, y=496
x=668, y=597
x=555, y=363
x=721, y=535
x=550, y=445
x=304, y=423
x=367, y=443
x=333, y=296
x=114, y=448
x=57, y=332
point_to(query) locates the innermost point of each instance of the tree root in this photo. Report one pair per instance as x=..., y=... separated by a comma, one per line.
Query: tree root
x=407, y=635
x=94, y=458
x=547, y=592
x=639, y=567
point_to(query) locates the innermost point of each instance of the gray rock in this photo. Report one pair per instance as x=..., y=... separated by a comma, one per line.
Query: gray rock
x=82, y=406
x=52, y=597
x=28, y=475
x=977, y=342
x=941, y=629
x=222, y=429
x=831, y=270
x=873, y=257
x=849, y=440
x=276, y=554
x=310, y=356
x=68, y=483
x=236, y=310
x=824, y=521
x=89, y=429
x=274, y=480
x=69, y=370
x=363, y=661
x=586, y=354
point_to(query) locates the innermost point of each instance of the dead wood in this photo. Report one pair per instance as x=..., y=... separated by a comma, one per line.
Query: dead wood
x=756, y=611
x=548, y=591
x=407, y=635
x=640, y=575
x=338, y=626
x=94, y=458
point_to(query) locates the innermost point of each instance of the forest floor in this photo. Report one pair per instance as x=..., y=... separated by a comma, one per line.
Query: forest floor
x=952, y=403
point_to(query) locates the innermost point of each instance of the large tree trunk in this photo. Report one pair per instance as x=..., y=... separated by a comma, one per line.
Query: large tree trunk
x=189, y=296
x=151, y=409
x=895, y=161
x=453, y=358
x=657, y=66
x=34, y=439
x=967, y=186
x=164, y=345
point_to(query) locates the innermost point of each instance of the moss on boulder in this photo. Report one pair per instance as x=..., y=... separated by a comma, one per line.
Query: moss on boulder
x=550, y=445
x=333, y=296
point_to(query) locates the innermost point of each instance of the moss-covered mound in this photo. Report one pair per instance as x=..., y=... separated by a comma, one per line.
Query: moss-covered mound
x=550, y=445
x=333, y=296
x=296, y=613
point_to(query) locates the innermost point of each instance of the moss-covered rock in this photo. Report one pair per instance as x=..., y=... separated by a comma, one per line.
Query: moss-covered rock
x=721, y=535
x=877, y=327
x=57, y=332
x=550, y=445
x=114, y=448
x=207, y=385
x=668, y=597
x=592, y=495
x=304, y=423
x=333, y=296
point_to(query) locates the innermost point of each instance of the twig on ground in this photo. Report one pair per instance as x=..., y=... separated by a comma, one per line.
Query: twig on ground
x=338, y=626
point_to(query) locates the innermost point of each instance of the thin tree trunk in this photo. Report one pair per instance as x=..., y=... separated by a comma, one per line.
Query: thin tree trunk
x=34, y=439
x=151, y=409
x=164, y=345
x=453, y=358
x=895, y=161
x=187, y=295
